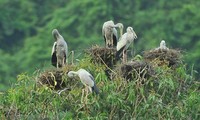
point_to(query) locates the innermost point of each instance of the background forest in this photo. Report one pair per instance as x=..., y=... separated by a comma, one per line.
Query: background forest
x=26, y=26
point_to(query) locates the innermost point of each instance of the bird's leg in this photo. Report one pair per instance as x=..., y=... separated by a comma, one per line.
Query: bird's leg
x=86, y=95
x=82, y=95
x=57, y=63
x=111, y=40
x=66, y=62
x=106, y=39
x=63, y=62
x=106, y=44
x=125, y=55
x=72, y=57
x=90, y=89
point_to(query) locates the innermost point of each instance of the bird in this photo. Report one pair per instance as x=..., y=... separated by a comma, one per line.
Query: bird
x=124, y=42
x=109, y=33
x=87, y=79
x=163, y=45
x=59, y=50
x=121, y=27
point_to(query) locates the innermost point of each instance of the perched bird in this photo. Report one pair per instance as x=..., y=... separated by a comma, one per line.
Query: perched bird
x=121, y=27
x=110, y=34
x=124, y=42
x=163, y=45
x=87, y=79
x=59, y=50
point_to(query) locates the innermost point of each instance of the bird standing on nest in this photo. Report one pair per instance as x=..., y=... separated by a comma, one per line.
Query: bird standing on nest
x=109, y=33
x=87, y=80
x=124, y=42
x=163, y=45
x=59, y=50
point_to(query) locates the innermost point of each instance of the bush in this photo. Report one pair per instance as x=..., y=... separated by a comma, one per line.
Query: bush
x=170, y=94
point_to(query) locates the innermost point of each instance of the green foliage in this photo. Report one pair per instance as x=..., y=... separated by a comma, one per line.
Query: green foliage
x=170, y=94
x=26, y=43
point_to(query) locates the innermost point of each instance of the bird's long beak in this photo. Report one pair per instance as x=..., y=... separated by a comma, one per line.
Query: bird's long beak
x=114, y=26
x=134, y=34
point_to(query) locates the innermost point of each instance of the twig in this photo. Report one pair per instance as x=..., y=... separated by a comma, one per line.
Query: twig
x=62, y=90
x=112, y=113
x=106, y=65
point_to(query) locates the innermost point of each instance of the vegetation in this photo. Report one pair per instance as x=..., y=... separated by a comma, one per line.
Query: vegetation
x=170, y=94
x=26, y=42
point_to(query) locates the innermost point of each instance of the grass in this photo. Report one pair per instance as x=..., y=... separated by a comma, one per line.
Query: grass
x=169, y=94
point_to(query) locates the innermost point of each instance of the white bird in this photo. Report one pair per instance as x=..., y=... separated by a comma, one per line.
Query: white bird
x=163, y=45
x=110, y=34
x=59, y=50
x=124, y=42
x=87, y=79
x=121, y=27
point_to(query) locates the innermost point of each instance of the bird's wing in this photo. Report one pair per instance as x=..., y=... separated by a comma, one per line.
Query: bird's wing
x=122, y=42
x=87, y=79
x=66, y=52
x=66, y=47
x=103, y=33
x=54, y=48
x=53, y=55
x=115, y=37
x=115, y=32
x=120, y=46
x=91, y=77
x=94, y=87
x=119, y=53
x=103, y=29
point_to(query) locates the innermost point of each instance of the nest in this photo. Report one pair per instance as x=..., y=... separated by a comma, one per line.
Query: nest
x=54, y=79
x=103, y=55
x=158, y=57
x=135, y=70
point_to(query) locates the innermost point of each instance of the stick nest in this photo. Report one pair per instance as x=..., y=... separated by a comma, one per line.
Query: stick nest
x=103, y=55
x=158, y=57
x=135, y=70
x=56, y=79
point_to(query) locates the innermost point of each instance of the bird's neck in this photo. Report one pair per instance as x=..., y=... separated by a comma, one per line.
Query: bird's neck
x=73, y=72
x=121, y=32
x=57, y=36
